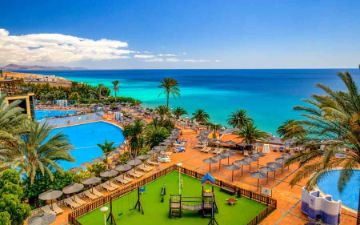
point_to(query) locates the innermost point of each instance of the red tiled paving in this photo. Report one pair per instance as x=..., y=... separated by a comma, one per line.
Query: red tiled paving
x=288, y=198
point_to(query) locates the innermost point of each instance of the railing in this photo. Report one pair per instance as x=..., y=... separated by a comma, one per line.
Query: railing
x=268, y=201
x=71, y=120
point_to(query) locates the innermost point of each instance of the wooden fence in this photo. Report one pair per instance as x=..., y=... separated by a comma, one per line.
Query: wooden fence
x=268, y=201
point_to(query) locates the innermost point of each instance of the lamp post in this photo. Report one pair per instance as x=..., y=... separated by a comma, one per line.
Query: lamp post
x=104, y=210
x=179, y=166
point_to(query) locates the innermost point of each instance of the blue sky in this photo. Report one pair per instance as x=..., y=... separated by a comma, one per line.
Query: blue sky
x=181, y=33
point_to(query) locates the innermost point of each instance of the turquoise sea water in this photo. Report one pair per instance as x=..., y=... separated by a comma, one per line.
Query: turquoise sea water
x=349, y=196
x=85, y=138
x=268, y=95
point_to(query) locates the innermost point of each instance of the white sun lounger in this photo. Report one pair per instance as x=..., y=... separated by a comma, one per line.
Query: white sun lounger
x=145, y=168
x=97, y=193
x=108, y=187
x=122, y=179
x=90, y=195
x=71, y=203
x=152, y=163
x=57, y=209
x=79, y=200
x=47, y=209
x=135, y=174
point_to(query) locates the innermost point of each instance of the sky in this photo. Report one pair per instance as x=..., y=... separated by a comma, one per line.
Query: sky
x=134, y=34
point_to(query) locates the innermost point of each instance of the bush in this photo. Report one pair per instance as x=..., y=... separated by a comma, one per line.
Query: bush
x=97, y=168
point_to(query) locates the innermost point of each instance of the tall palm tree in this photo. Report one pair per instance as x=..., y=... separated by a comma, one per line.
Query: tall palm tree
x=12, y=123
x=332, y=120
x=250, y=133
x=178, y=112
x=171, y=87
x=107, y=148
x=154, y=135
x=39, y=151
x=163, y=111
x=291, y=129
x=115, y=86
x=134, y=135
x=201, y=116
x=239, y=119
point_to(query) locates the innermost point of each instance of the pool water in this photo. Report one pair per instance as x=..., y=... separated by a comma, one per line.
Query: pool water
x=49, y=113
x=85, y=138
x=349, y=196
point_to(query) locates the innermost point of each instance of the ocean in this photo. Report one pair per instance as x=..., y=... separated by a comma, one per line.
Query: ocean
x=268, y=95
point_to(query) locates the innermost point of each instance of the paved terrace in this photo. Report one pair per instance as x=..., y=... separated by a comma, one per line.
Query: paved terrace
x=288, y=206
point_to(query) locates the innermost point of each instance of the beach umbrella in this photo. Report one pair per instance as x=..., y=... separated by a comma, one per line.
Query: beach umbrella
x=91, y=181
x=73, y=188
x=97, y=160
x=266, y=169
x=258, y=175
x=42, y=219
x=227, y=155
x=123, y=168
x=232, y=167
x=210, y=161
x=143, y=157
x=134, y=162
x=274, y=166
x=219, y=158
x=249, y=160
x=241, y=163
x=50, y=195
x=109, y=173
x=158, y=148
x=281, y=161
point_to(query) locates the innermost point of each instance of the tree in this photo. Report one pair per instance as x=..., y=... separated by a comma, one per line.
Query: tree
x=250, y=133
x=75, y=96
x=178, y=112
x=171, y=87
x=332, y=123
x=163, y=111
x=115, y=86
x=291, y=129
x=239, y=119
x=201, y=116
x=134, y=135
x=154, y=135
x=11, y=199
x=107, y=148
x=38, y=152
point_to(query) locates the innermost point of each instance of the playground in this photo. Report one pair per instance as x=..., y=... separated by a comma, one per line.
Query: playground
x=155, y=201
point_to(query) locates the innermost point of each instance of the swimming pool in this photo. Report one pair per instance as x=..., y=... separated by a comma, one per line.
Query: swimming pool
x=349, y=196
x=49, y=113
x=84, y=138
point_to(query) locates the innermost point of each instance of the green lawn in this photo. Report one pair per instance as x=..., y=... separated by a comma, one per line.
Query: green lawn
x=157, y=212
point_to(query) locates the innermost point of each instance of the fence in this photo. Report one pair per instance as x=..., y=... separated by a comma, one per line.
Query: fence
x=270, y=202
x=71, y=120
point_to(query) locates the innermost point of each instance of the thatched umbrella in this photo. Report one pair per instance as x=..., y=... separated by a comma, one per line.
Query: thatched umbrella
x=143, y=157
x=281, y=161
x=266, y=169
x=219, y=158
x=50, y=195
x=109, y=174
x=73, y=188
x=227, y=155
x=123, y=168
x=249, y=160
x=134, y=162
x=210, y=161
x=274, y=166
x=91, y=181
x=232, y=167
x=97, y=160
x=258, y=175
x=241, y=163
x=42, y=219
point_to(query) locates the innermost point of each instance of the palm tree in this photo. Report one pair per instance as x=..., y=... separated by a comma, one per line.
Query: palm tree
x=171, y=87
x=134, y=135
x=12, y=123
x=100, y=88
x=178, y=112
x=75, y=96
x=201, y=116
x=163, y=111
x=214, y=128
x=250, y=133
x=332, y=120
x=154, y=135
x=39, y=151
x=107, y=148
x=291, y=129
x=239, y=119
x=115, y=86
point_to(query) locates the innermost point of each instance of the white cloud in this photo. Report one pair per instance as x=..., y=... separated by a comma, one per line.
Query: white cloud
x=143, y=56
x=57, y=48
x=196, y=60
x=155, y=60
x=172, y=60
x=166, y=55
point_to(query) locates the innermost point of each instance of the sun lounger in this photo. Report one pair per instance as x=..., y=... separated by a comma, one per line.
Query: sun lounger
x=217, y=151
x=145, y=168
x=90, y=195
x=57, y=209
x=133, y=174
x=71, y=203
x=97, y=193
x=78, y=200
x=47, y=209
x=122, y=179
x=107, y=187
x=152, y=163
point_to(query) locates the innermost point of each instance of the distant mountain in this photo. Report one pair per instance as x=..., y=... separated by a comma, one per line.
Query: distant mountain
x=14, y=67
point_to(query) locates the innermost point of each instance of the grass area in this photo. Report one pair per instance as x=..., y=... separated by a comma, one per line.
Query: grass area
x=156, y=212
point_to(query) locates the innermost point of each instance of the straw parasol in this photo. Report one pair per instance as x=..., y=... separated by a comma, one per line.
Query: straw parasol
x=210, y=161
x=91, y=181
x=134, y=162
x=274, y=166
x=42, y=219
x=227, y=155
x=258, y=175
x=123, y=168
x=219, y=158
x=266, y=169
x=249, y=160
x=241, y=163
x=109, y=173
x=232, y=167
x=50, y=195
x=143, y=157
x=281, y=161
x=97, y=160
x=73, y=188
